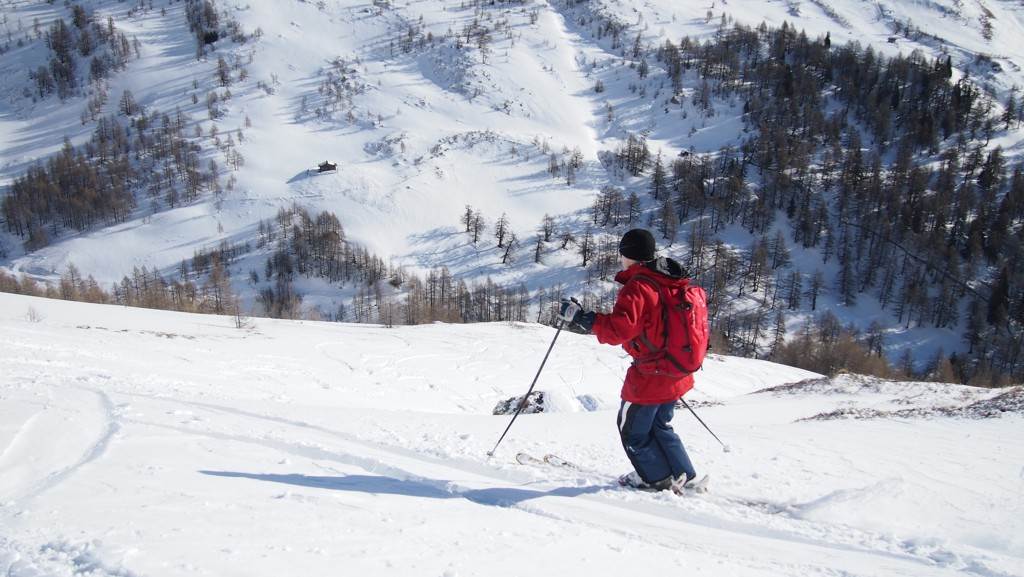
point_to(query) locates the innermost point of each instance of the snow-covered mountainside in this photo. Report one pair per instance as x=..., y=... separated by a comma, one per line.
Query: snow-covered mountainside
x=431, y=106
x=150, y=443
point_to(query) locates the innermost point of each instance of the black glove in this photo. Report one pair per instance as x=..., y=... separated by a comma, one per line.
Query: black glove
x=580, y=321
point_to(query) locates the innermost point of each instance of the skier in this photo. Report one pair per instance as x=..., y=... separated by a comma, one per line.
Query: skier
x=648, y=400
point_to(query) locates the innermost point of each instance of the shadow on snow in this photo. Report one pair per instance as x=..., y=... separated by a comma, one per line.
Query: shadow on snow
x=429, y=489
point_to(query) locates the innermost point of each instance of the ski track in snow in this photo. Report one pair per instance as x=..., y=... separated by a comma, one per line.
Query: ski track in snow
x=20, y=436
x=672, y=517
x=95, y=450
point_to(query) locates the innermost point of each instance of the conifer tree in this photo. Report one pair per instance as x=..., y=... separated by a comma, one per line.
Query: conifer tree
x=659, y=181
x=501, y=230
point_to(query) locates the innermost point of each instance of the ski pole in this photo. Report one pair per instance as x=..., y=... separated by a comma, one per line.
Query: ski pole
x=522, y=403
x=725, y=448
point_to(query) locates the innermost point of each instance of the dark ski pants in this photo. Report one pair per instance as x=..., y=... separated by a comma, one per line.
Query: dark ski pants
x=650, y=443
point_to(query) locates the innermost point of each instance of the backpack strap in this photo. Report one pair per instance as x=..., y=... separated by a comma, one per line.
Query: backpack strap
x=663, y=303
x=642, y=337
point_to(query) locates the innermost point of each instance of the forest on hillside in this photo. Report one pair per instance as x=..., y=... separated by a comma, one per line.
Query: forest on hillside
x=885, y=166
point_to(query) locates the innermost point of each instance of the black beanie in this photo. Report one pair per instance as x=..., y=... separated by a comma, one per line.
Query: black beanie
x=637, y=244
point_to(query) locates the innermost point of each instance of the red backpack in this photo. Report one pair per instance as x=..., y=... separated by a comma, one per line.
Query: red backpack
x=684, y=316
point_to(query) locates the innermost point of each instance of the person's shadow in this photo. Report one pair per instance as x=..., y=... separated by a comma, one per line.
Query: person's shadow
x=425, y=488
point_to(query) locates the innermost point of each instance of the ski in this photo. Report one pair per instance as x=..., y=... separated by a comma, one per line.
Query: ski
x=695, y=486
x=625, y=483
x=557, y=461
x=553, y=460
x=528, y=459
x=698, y=486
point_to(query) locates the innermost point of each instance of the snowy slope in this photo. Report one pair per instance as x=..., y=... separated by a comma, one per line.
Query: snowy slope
x=387, y=199
x=147, y=443
x=409, y=159
x=935, y=27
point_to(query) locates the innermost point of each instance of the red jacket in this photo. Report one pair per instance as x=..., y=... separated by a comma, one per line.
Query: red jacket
x=637, y=310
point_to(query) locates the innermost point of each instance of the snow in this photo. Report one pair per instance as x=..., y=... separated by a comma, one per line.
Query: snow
x=136, y=442
x=147, y=443
x=433, y=130
x=952, y=27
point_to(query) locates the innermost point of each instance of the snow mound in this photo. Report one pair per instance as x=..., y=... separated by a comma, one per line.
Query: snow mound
x=863, y=397
x=534, y=404
x=847, y=384
x=551, y=402
x=1011, y=401
x=59, y=558
x=852, y=502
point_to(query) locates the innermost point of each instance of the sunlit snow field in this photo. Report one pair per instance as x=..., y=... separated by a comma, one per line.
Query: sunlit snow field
x=148, y=443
